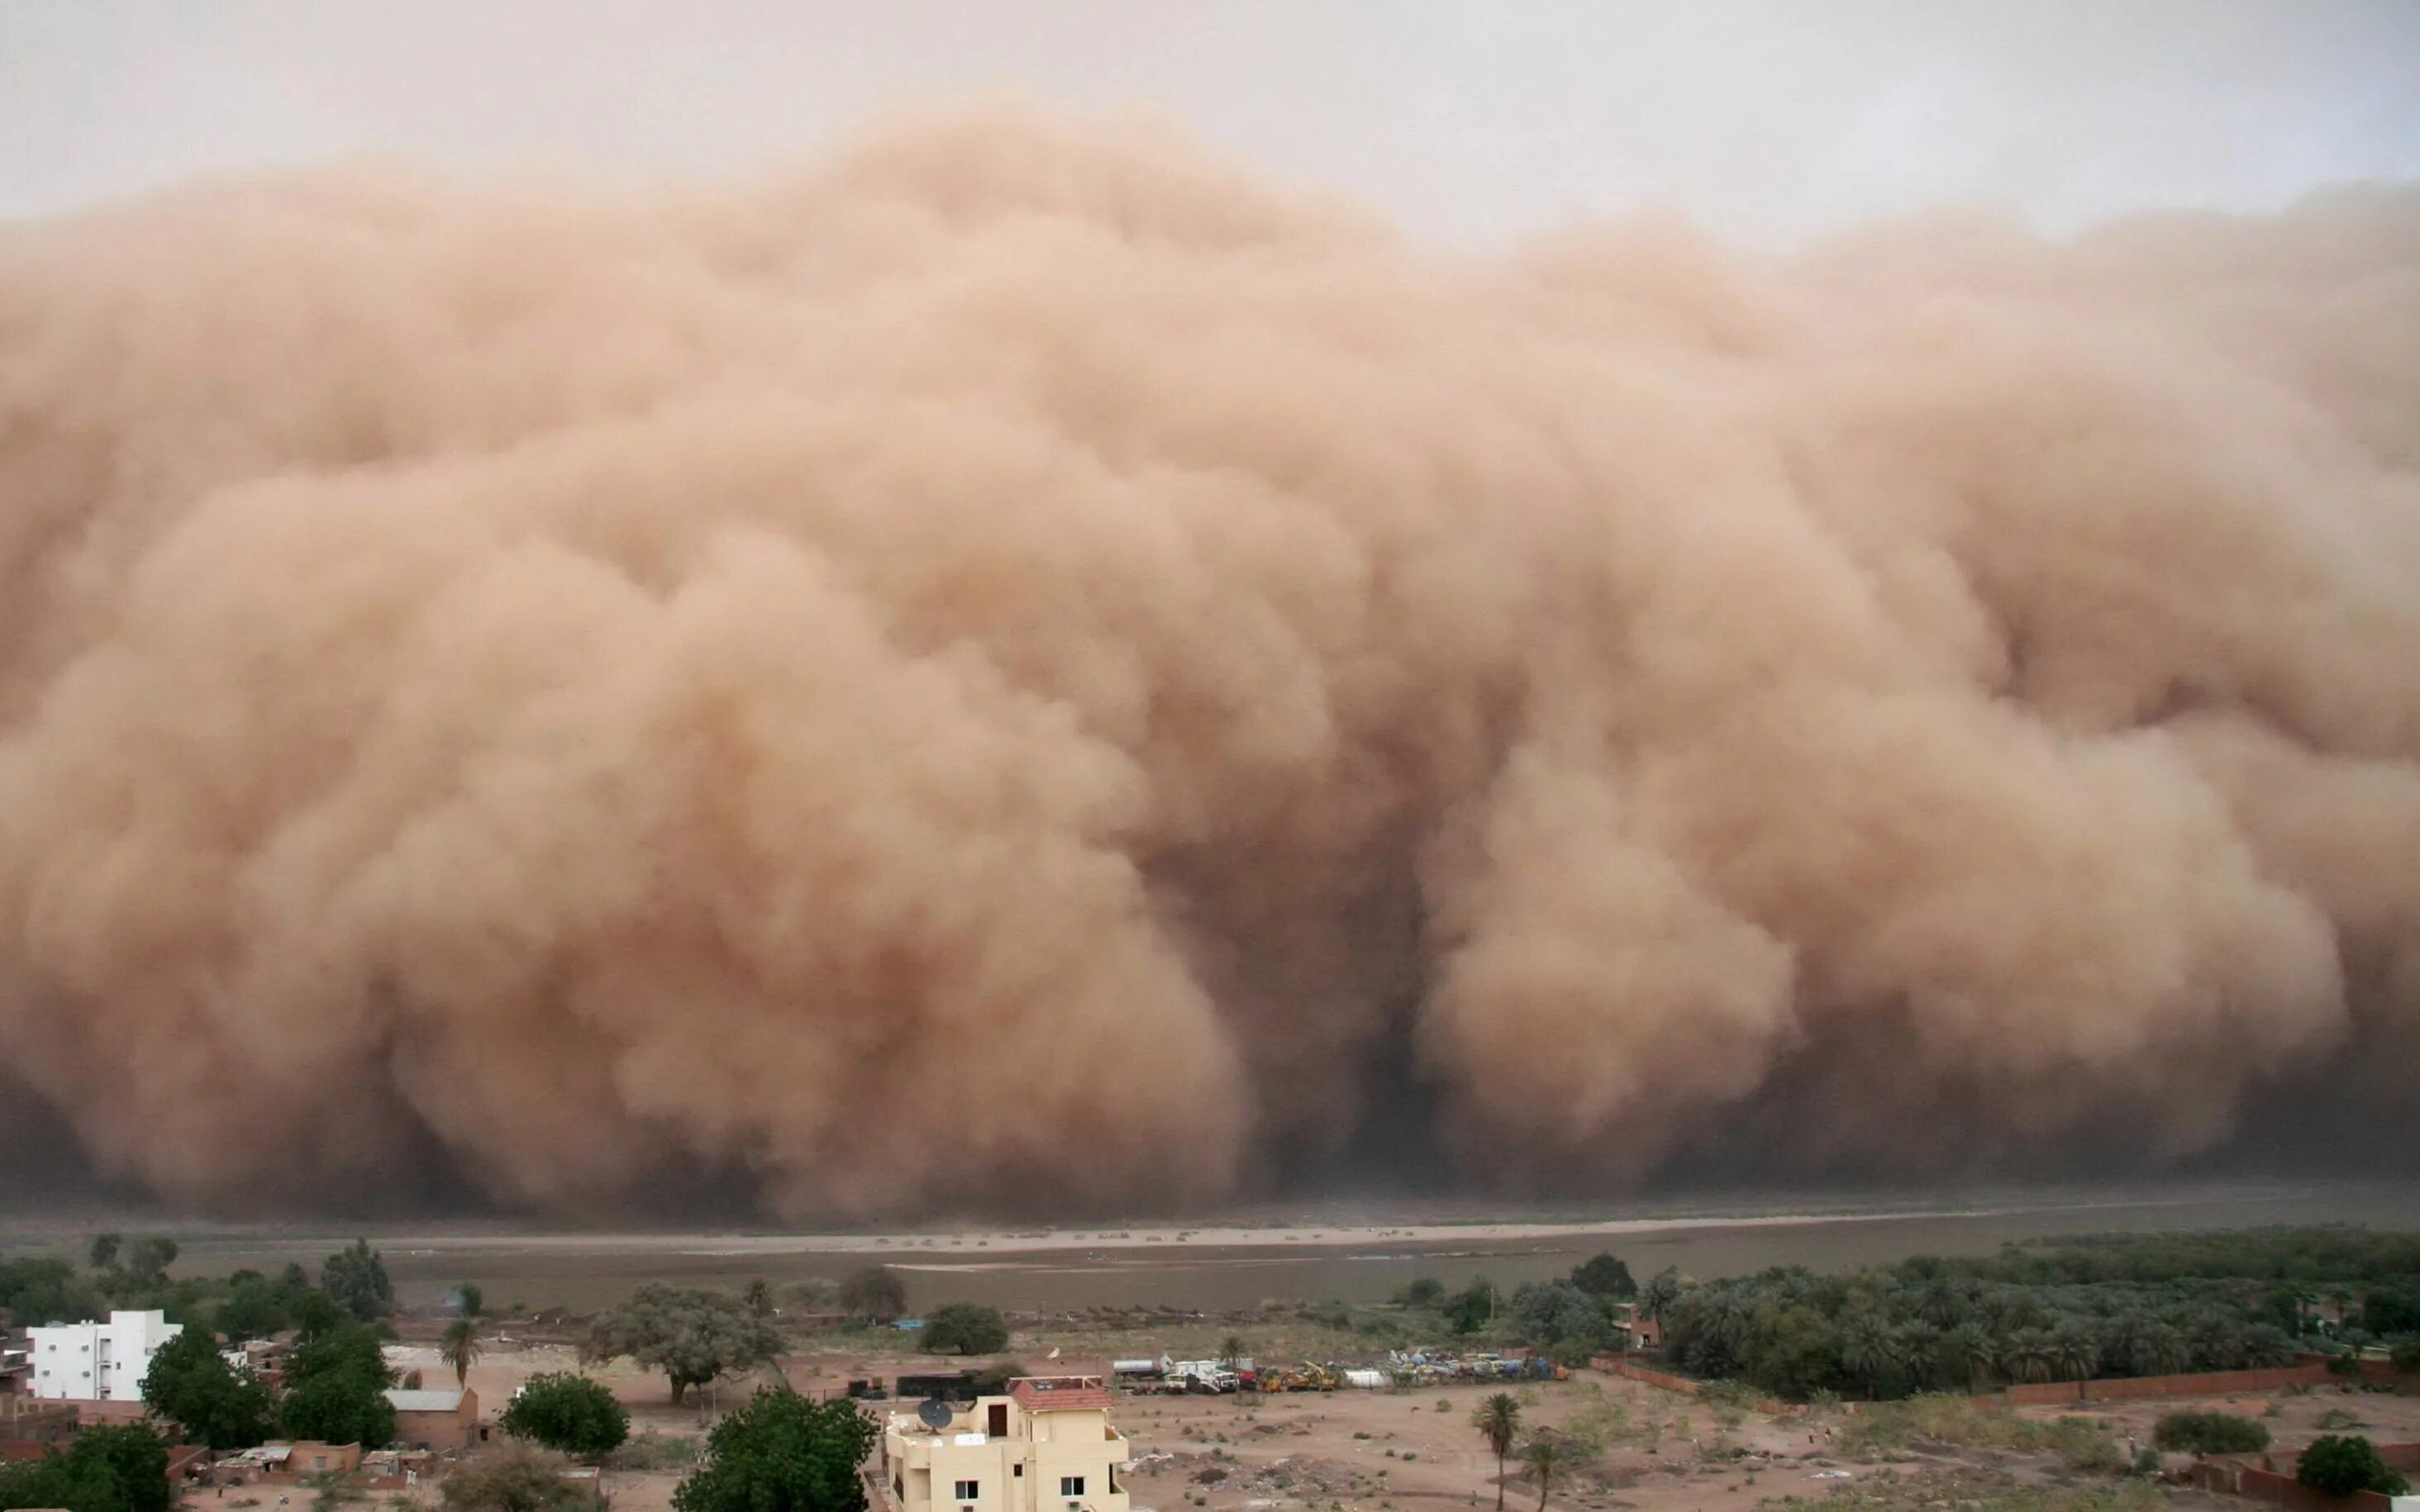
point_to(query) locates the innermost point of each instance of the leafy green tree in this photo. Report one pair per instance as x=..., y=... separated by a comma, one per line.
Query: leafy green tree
x=874, y=1292
x=1472, y=1308
x=469, y=1300
x=966, y=1328
x=691, y=1337
x=513, y=1478
x=36, y=1290
x=147, y=1259
x=2341, y=1464
x=123, y=1469
x=759, y=1297
x=341, y=1409
x=569, y=1414
x=1233, y=1350
x=105, y=1248
x=1561, y=1318
x=1421, y=1291
x=783, y=1453
x=459, y=1347
x=1603, y=1275
x=2266, y=1345
x=2209, y=1433
x=210, y=1402
x=252, y=1308
x=313, y=1313
x=335, y=1388
x=355, y=1279
x=2405, y=1353
x=1498, y=1422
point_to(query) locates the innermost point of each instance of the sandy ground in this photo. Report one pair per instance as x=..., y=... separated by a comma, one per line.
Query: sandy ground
x=1370, y=1452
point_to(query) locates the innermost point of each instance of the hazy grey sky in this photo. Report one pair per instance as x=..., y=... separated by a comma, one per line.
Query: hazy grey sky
x=1468, y=120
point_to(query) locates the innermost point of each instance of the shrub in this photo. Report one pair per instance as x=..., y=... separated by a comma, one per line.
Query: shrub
x=966, y=1328
x=2341, y=1464
x=567, y=1412
x=2209, y=1433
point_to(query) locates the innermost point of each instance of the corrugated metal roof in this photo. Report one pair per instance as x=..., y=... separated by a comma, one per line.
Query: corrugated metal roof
x=424, y=1401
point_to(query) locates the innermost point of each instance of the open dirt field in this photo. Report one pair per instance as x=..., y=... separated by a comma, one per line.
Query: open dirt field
x=1315, y=1254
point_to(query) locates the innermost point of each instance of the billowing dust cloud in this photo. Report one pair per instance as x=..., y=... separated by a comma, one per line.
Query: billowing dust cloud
x=1017, y=666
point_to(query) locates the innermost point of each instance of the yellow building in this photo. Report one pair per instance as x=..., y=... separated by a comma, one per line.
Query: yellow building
x=1045, y=1446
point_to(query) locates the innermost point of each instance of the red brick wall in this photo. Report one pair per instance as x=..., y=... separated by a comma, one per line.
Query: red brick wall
x=1614, y=1364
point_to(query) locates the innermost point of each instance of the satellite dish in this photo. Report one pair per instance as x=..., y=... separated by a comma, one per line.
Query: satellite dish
x=935, y=1413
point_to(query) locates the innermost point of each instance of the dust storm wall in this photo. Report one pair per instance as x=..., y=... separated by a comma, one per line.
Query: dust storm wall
x=1018, y=665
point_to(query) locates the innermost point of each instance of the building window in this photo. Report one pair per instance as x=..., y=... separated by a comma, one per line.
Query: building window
x=969, y=1490
x=1071, y=1485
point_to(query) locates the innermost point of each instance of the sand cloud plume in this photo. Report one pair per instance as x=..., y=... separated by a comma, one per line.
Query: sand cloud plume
x=1018, y=665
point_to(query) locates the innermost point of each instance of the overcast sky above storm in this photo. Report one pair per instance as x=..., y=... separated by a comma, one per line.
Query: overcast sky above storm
x=1466, y=121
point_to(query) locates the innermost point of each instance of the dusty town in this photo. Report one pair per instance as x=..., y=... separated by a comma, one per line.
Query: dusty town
x=1152, y=1410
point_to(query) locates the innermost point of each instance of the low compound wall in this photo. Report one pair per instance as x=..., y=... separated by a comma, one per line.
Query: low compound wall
x=2269, y=1478
x=1615, y=1365
x=2203, y=1383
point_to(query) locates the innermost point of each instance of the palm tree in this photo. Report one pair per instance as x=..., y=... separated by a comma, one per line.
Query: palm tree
x=1232, y=1350
x=2030, y=1355
x=1547, y=1459
x=1498, y=1421
x=1917, y=1346
x=2074, y=1350
x=2162, y=1350
x=1966, y=1354
x=1661, y=1292
x=461, y=1347
x=1868, y=1351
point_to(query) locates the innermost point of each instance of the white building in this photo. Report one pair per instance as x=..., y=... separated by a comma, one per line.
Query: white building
x=1045, y=1446
x=99, y=1362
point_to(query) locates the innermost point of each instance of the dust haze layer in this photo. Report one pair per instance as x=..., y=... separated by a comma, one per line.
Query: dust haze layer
x=1020, y=667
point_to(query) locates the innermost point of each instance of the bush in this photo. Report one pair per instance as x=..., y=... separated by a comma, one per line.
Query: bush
x=2209, y=1433
x=2405, y=1353
x=512, y=1478
x=2341, y=1464
x=874, y=1292
x=966, y=1328
x=569, y=1414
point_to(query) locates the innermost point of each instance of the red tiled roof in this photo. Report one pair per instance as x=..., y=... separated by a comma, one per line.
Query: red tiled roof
x=1057, y=1394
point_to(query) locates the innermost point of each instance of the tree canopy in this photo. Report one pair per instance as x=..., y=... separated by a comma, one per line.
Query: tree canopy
x=783, y=1453
x=567, y=1412
x=966, y=1328
x=123, y=1469
x=874, y=1292
x=210, y=1402
x=691, y=1337
x=335, y=1388
x=1604, y=1275
x=355, y=1279
x=2341, y=1464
